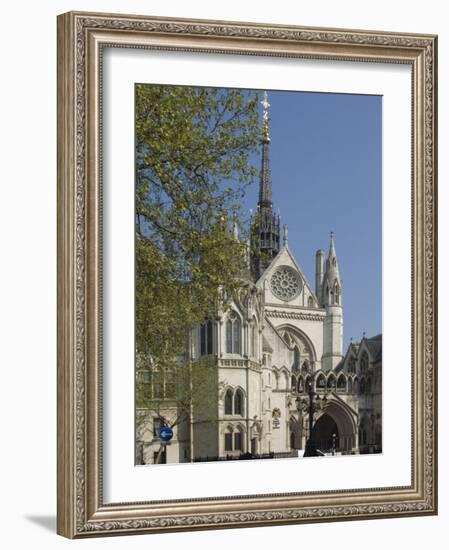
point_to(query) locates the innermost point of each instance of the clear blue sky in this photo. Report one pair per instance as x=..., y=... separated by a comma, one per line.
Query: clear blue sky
x=326, y=164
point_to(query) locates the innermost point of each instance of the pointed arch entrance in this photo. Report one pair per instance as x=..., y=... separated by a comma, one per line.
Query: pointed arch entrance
x=325, y=431
x=336, y=418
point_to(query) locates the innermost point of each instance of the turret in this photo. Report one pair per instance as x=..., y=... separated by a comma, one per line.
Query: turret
x=331, y=284
x=332, y=300
x=319, y=272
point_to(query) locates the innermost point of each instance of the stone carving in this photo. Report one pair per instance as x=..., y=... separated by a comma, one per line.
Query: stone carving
x=286, y=283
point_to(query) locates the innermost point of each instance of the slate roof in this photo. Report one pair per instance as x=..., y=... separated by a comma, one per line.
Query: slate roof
x=374, y=346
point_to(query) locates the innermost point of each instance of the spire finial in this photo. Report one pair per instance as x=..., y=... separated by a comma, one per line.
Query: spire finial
x=265, y=123
x=332, y=246
x=285, y=234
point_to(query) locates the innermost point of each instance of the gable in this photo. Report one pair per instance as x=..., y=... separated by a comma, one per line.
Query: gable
x=284, y=263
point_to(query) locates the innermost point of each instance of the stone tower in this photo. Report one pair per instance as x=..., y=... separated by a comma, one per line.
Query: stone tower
x=265, y=224
x=332, y=300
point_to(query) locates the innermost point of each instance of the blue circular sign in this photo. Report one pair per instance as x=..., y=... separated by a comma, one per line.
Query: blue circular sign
x=165, y=434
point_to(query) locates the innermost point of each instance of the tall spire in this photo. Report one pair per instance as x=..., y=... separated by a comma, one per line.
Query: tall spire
x=265, y=192
x=266, y=224
x=266, y=118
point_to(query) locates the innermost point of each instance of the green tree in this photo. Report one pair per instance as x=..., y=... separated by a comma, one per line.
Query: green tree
x=193, y=148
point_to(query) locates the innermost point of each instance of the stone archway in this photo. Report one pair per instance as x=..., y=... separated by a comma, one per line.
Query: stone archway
x=301, y=345
x=325, y=430
x=336, y=418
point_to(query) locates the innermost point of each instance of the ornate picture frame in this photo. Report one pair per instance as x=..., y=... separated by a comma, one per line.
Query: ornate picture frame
x=82, y=510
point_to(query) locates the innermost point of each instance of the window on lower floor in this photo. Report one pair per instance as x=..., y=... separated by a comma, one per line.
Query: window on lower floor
x=228, y=441
x=238, y=403
x=206, y=338
x=228, y=402
x=238, y=441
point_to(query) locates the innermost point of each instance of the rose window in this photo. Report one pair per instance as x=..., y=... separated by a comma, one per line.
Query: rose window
x=285, y=283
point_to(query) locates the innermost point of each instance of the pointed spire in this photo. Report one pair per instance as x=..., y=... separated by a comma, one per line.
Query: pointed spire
x=332, y=261
x=266, y=230
x=285, y=234
x=266, y=118
x=265, y=191
x=332, y=288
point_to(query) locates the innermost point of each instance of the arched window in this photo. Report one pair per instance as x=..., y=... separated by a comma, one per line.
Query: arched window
x=321, y=382
x=341, y=383
x=206, y=338
x=336, y=293
x=364, y=362
x=351, y=364
x=349, y=385
x=228, y=336
x=253, y=339
x=296, y=358
x=356, y=385
x=300, y=385
x=293, y=382
x=310, y=301
x=331, y=382
x=228, y=402
x=233, y=333
x=238, y=439
x=228, y=439
x=238, y=402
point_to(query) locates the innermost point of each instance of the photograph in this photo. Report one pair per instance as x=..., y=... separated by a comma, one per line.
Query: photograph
x=258, y=274
x=247, y=273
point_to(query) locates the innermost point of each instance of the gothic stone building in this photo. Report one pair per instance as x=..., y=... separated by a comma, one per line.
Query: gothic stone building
x=278, y=336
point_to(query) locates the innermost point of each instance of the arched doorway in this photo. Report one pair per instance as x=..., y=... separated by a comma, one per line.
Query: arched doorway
x=325, y=431
x=339, y=419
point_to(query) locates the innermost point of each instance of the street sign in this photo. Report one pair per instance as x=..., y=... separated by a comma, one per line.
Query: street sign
x=165, y=434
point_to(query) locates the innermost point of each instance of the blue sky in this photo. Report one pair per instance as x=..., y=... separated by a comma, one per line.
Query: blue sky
x=326, y=164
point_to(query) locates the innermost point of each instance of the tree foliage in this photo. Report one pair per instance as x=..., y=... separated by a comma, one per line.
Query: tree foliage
x=193, y=148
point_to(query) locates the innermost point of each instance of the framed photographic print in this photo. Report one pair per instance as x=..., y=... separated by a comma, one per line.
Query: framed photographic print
x=247, y=274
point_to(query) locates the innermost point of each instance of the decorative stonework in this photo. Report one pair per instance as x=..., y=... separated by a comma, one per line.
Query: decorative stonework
x=239, y=363
x=286, y=283
x=82, y=23
x=294, y=315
